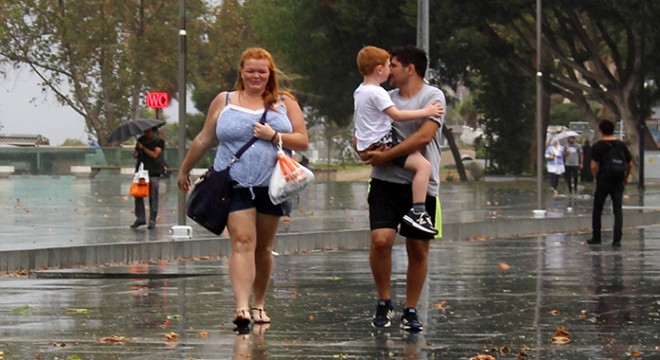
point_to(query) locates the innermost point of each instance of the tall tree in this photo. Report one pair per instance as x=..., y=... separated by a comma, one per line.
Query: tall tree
x=319, y=41
x=591, y=49
x=226, y=36
x=98, y=57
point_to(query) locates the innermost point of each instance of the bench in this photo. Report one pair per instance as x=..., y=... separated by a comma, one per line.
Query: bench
x=6, y=170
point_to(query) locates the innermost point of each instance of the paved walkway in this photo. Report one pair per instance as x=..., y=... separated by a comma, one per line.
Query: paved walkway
x=64, y=222
x=501, y=296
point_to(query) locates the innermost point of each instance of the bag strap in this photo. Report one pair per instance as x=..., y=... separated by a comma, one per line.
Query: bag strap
x=240, y=152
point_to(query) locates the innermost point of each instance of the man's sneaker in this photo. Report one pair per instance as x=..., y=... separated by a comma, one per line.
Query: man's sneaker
x=409, y=320
x=384, y=312
x=420, y=221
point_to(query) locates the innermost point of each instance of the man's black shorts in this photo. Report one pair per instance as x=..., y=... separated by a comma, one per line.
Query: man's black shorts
x=389, y=201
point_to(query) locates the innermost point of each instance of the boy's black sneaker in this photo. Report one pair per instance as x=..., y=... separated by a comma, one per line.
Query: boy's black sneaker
x=409, y=320
x=420, y=221
x=384, y=312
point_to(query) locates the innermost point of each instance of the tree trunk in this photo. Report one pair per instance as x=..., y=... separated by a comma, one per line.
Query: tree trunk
x=460, y=169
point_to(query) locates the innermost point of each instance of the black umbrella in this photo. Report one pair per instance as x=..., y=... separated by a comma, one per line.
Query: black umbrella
x=134, y=128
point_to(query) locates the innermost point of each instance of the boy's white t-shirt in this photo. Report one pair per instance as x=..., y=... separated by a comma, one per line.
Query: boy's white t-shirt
x=396, y=174
x=371, y=123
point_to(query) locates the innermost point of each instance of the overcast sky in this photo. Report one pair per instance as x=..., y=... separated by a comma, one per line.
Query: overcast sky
x=25, y=109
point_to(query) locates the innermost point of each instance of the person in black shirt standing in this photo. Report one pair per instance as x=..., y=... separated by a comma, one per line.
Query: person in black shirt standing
x=609, y=181
x=149, y=151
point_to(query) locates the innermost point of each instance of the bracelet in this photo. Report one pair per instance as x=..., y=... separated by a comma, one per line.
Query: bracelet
x=274, y=136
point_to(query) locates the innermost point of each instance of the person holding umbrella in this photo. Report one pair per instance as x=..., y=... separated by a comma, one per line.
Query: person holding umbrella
x=149, y=151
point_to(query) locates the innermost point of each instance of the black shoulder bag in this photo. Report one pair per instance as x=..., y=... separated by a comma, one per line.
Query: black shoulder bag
x=208, y=203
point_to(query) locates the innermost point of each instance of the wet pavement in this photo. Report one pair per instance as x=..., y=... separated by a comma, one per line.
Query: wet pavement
x=505, y=297
x=42, y=212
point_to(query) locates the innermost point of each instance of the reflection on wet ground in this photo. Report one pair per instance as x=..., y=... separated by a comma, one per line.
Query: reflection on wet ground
x=504, y=297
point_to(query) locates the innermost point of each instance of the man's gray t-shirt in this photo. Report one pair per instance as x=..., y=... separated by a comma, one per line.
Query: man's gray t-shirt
x=573, y=157
x=396, y=174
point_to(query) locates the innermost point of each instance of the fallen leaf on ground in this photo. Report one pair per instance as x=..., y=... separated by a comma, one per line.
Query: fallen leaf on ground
x=171, y=336
x=114, y=339
x=23, y=310
x=441, y=306
x=561, y=331
x=79, y=310
x=554, y=312
x=561, y=340
x=503, y=266
x=636, y=353
x=203, y=334
x=483, y=357
x=562, y=336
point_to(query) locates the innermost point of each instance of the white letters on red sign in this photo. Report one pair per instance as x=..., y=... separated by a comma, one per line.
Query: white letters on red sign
x=157, y=100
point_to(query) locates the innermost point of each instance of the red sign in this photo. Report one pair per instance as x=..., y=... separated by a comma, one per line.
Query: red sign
x=157, y=100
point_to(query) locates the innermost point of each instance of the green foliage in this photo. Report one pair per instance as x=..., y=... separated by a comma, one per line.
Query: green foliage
x=226, y=36
x=319, y=41
x=98, y=57
x=502, y=96
x=565, y=113
x=591, y=50
x=73, y=142
x=480, y=150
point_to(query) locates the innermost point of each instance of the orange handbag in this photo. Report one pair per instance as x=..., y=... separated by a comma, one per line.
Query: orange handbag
x=140, y=184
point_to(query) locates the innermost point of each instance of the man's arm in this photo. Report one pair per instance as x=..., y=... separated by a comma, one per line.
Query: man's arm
x=150, y=153
x=416, y=141
x=629, y=167
x=581, y=160
x=594, y=169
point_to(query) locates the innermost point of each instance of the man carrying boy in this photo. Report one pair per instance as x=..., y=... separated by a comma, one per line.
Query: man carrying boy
x=374, y=110
x=390, y=193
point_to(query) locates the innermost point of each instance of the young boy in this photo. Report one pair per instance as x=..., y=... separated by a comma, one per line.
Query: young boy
x=373, y=128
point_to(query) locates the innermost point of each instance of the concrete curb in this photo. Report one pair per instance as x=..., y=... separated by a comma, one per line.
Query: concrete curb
x=126, y=253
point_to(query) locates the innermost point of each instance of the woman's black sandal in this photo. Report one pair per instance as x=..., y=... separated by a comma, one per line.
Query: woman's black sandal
x=259, y=319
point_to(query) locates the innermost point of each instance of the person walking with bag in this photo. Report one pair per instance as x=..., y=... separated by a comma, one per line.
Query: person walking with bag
x=232, y=120
x=149, y=151
x=554, y=154
x=611, y=163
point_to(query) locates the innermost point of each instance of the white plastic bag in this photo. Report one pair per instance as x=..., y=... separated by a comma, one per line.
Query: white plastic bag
x=288, y=179
x=140, y=184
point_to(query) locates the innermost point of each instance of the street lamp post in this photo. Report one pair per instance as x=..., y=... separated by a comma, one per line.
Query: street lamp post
x=423, y=30
x=182, y=104
x=642, y=99
x=423, y=25
x=539, y=122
